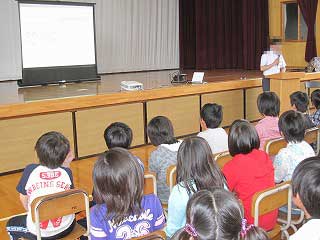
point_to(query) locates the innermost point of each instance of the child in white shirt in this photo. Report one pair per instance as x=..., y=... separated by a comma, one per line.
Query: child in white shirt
x=306, y=195
x=211, y=118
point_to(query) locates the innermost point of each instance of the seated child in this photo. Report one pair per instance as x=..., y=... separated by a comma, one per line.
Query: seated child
x=306, y=195
x=250, y=170
x=315, y=99
x=122, y=211
x=196, y=170
x=160, y=132
x=267, y=128
x=119, y=134
x=300, y=102
x=217, y=215
x=52, y=150
x=211, y=118
x=292, y=127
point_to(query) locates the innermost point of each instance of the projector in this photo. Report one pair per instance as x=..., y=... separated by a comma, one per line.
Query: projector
x=131, y=86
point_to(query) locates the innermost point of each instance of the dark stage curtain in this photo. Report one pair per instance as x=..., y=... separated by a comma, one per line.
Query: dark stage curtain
x=220, y=34
x=309, y=12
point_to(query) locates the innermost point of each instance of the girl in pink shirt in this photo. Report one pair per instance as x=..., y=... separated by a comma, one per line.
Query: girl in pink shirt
x=269, y=107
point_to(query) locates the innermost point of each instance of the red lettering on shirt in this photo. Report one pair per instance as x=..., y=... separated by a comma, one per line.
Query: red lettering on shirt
x=56, y=222
x=50, y=175
x=44, y=224
x=63, y=185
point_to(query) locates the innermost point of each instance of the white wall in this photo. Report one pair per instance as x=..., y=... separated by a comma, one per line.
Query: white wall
x=10, y=51
x=131, y=35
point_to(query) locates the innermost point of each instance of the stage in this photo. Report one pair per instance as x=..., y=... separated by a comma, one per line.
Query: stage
x=82, y=111
x=10, y=93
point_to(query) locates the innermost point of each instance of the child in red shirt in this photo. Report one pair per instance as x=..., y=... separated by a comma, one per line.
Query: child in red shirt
x=250, y=170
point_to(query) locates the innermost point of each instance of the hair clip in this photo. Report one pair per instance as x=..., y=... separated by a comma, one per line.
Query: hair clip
x=244, y=227
x=190, y=230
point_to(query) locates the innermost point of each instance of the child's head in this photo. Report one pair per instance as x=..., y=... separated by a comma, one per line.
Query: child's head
x=160, y=131
x=118, y=182
x=292, y=126
x=306, y=186
x=216, y=215
x=211, y=115
x=118, y=134
x=52, y=149
x=315, y=98
x=243, y=138
x=299, y=100
x=268, y=104
x=195, y=162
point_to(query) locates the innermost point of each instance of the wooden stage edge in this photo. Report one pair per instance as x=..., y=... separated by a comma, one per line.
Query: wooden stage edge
x=217, y=81
x=82, y=111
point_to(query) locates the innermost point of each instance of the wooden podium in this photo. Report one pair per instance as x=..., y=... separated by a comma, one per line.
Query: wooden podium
x=283, y=84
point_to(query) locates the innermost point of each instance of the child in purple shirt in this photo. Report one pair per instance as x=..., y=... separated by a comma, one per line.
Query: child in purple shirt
x=269, y=107
x=122, y=211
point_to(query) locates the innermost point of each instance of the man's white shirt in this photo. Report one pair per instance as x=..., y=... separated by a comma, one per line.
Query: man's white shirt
x=268, y=58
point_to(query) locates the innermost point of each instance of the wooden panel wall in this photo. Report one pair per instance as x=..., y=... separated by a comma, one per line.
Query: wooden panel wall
x=231, y=101
x=318, y=29
x=252, y=112
x=293, y=52
x=274, y=18
x=18, y=137
x=91, y=124
x=184, y=113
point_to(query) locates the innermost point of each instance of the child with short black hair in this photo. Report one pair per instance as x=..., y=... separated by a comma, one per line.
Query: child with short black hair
x=211, y=118
x=306, y=195
x=217, y=215
x=250, y=170
x=267, y=128
x=122, y=211
x=119, y=134
x=47, y=177
x=300, y=102
x=196, y=170
x=292, y=127
x=161, y=134
x=315, y=99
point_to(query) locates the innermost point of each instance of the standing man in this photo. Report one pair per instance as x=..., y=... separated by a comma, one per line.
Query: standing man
x=272, y=62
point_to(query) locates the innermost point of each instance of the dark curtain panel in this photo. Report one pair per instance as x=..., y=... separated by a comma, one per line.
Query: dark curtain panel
x=309, y=12
x=217, y=34
x=187, y=33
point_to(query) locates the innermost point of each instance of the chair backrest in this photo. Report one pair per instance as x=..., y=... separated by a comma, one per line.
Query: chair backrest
x=273, y=146
x=312, y=84
x=150, y=183
x=222, y=158
x=271, y=199
x=171, y=176
x=153, y=236
x=311, y=135
x=59, y=204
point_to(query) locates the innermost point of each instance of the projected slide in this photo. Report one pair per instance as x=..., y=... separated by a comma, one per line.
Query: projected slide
x=57, y=35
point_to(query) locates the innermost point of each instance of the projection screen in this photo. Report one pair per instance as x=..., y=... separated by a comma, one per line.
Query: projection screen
x=57, y=42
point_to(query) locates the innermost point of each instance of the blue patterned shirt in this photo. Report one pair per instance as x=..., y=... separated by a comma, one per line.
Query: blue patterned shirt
x=288, y=158
x=315, y=118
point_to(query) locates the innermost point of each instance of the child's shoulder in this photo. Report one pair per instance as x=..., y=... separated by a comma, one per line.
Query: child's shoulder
x=29, y=168
x=150, y=200
x=150, y=197
x=68, y=170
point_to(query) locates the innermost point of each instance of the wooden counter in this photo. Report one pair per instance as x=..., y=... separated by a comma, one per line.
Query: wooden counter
x=82, y=111
x=83, y=118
